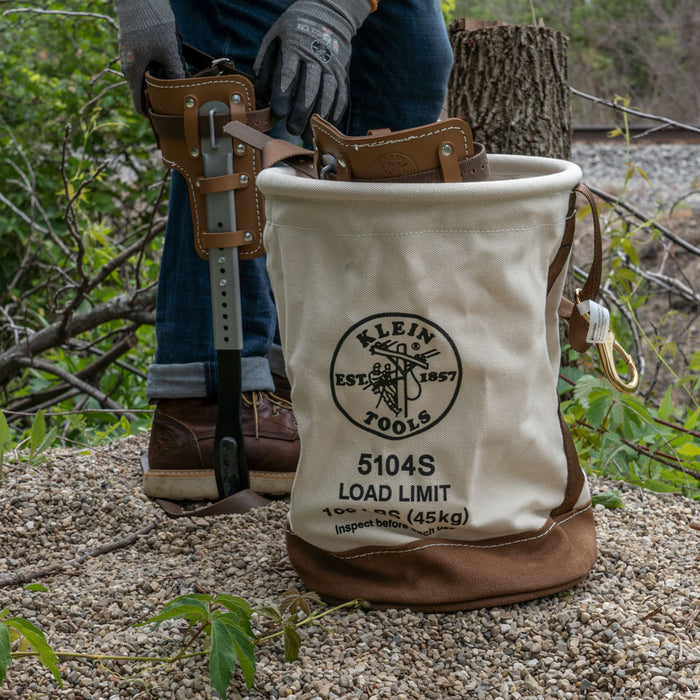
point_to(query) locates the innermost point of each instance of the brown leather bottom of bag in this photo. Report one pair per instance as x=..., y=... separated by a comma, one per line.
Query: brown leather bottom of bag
x=438, y=575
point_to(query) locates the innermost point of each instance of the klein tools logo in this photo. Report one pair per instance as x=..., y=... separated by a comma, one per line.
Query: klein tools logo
x=395, y=375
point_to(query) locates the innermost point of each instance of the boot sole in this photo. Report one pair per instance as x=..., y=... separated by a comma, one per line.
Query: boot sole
x=200, y=484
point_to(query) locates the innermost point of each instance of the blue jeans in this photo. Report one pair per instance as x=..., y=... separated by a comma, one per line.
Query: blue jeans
x=400, y=64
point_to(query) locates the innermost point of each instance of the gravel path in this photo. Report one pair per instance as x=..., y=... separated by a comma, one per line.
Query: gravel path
x=672, y=170
x=631, y=630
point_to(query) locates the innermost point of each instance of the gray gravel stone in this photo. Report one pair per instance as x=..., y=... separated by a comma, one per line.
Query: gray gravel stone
x=629, y=630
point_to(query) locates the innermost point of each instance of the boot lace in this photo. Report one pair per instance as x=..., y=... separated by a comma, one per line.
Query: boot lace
x=254, y=399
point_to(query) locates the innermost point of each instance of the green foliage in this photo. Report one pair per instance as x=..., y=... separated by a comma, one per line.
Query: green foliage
x=37, y=439
x=448, y=9
x=645, y=48
x=224, y=622
x=80, y=187
x=609, y=499
x=619, y=436
x=22, y=634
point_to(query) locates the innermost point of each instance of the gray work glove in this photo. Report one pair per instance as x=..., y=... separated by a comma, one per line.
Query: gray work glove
x=302, y=63
x=148, y=40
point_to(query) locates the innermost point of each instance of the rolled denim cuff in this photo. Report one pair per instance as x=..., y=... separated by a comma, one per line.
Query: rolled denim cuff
x=182, y=381
x=199, y=379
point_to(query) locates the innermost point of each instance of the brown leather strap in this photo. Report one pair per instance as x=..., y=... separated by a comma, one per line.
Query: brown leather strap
x=273, y=150
x=225, y=239
x=173, y=127
x=241, y=502
x=564, y=251
x=222, y=183
x=470, y=170
x=578, y=326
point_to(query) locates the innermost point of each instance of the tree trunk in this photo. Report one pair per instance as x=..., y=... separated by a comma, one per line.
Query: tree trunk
x=510, y=84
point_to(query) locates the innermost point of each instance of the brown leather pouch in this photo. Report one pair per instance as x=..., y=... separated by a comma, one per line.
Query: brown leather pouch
x=440, y=152
x=180, y=119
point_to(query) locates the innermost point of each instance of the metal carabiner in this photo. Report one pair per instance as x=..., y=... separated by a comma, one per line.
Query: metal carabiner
x=606, y=352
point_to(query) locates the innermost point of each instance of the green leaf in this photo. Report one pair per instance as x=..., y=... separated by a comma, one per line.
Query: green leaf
x=659, y=486
x=609, y=499
x=47, y=441
x=689, y=449
x=292, y=642
x=239, y=608
x=5, y=652
x=37, y=434
x=270, y=613
x=666, y=408
x=36, y=639
x=598, y=409
x=692, y=420
x=233, y=603
x=230, y=645
x=189, y=607
x=584, y=387
x=4, y=432
x=36, y=588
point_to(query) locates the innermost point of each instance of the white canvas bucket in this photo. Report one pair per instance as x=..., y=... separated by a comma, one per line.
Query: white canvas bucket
x=423, y=351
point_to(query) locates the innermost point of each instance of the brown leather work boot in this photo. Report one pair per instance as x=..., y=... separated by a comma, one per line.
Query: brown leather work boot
x=181, y=447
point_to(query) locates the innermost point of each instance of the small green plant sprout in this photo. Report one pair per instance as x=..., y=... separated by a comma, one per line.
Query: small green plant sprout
x=39, y=439
x=19, y=637
x=609, y=499
x=225, y=622
x=225, y=625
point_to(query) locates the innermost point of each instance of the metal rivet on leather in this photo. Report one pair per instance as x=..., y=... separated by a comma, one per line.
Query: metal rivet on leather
x=243, y=179
x=194, y=152
x=189, y=102
x=240, y=149
x=446, y=149
x=236, y=98
x=247, y=236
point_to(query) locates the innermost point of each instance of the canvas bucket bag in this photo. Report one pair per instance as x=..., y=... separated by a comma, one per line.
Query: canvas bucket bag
x=419, y=324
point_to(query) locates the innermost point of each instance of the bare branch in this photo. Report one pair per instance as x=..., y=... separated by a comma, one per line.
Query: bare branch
x=36, y=11
x=616, y=203
x=71, y=379
x=635, y=112
x=125, y=306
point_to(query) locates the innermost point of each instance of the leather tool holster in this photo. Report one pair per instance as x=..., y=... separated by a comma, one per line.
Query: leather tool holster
x=439, y=152
x=176, y=110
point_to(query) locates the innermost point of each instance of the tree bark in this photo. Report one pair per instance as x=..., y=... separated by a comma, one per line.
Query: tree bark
x=510, y=84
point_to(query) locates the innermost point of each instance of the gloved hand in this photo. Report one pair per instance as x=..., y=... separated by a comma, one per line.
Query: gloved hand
x=147, y=38
x=303, y=60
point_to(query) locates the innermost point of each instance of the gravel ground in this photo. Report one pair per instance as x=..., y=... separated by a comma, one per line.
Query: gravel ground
x=630, y=630
x=673, y=171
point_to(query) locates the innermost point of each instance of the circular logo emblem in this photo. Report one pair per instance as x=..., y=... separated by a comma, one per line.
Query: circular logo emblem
x=395, y=375
x=393, y=165
x=321, y=51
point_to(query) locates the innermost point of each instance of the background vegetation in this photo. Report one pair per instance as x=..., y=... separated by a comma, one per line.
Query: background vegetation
x=647, y=50
x=83, y=201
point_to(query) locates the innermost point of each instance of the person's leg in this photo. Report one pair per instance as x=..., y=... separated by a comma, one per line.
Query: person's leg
x=183, y=378
x=400, y=65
